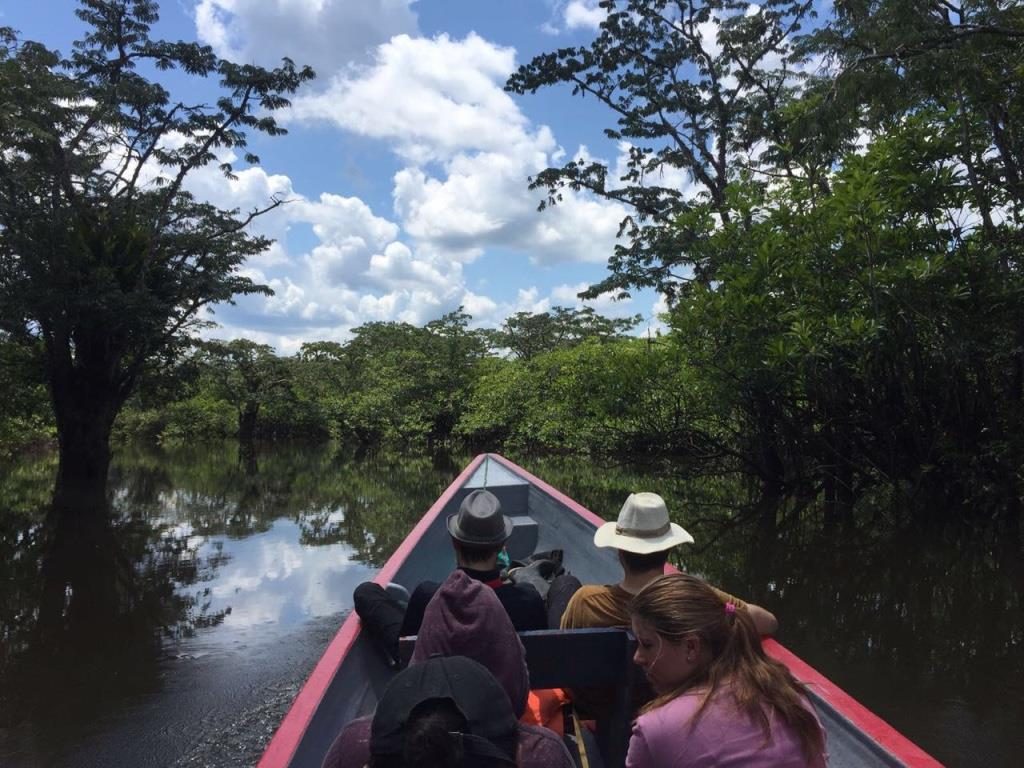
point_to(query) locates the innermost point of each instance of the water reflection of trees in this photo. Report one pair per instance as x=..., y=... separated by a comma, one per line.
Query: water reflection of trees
x=88, y=605
x=371, y=506
x=368, y=502
x=919, y=602
x=86, y=601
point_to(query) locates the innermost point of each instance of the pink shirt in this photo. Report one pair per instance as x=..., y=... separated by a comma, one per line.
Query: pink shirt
x=722, y=737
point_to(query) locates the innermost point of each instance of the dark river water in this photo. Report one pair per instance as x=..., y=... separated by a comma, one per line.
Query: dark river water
x=178, y=633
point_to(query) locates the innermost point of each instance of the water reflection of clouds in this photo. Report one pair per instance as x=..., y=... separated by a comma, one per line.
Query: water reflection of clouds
x=270, y=578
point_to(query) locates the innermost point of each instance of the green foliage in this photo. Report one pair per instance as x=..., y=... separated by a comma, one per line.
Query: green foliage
x=627, y=396
x=846, y=283
x=202, y=417
x=526, y=335
x=25, y=416
x=405, y=384
x=105, y=259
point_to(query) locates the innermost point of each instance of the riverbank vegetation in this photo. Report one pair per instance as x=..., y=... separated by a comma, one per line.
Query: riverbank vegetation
x=832, y=208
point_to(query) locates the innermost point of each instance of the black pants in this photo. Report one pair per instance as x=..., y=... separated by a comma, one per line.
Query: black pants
x=381, y=615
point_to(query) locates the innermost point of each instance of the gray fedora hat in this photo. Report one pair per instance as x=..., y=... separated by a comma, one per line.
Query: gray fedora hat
x=479, y=521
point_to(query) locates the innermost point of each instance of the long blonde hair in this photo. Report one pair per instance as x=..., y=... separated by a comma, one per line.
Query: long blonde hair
x=678, y=605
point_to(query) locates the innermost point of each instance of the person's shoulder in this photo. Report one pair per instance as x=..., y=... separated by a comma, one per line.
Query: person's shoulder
x=351, y=748
x=527, y=590
x=541, y=747
x=424, y=590
x=590, y=592
x=519, y=593
x=595, y=605
x=524, y=606
x=679, y=709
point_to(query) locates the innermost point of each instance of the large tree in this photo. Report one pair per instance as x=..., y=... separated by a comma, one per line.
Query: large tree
x=845, y=269
x=105, y=256
x=694, y=87
x=527, y=335
x=247, y=375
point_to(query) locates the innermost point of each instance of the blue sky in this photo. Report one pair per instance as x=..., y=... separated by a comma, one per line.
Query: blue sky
x=406, y=163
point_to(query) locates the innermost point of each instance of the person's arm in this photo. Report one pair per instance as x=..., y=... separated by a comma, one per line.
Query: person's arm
x=764, y=620
x=639, y=754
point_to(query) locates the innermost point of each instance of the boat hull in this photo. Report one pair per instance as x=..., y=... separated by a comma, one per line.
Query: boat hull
x=350, y=677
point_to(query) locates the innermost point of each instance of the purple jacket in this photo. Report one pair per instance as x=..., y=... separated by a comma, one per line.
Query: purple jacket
x=465, y=618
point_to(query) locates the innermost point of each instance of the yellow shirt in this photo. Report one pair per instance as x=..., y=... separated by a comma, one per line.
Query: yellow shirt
x=608, y=606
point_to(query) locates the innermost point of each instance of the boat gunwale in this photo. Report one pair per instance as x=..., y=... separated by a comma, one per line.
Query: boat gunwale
x=289, y=734
x=890, y=740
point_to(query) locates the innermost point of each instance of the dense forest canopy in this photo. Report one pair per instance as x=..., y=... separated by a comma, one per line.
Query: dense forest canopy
x=831, y=206
x=845, y=275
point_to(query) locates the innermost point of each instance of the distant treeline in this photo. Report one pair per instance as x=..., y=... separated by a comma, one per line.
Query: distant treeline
x=864, y=404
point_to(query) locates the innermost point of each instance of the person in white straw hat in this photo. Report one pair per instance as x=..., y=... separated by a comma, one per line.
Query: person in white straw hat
x=643, y=527
x=644, y=536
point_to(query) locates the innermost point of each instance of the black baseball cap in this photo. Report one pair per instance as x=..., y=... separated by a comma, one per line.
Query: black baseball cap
x=479, y=698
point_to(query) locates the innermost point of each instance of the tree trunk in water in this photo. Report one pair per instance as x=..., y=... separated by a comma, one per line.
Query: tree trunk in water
x=247, y=458
x=84, y=579
x=85, y=416
x=247, y=423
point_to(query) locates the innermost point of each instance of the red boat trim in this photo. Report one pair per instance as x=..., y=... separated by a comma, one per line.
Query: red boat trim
x=289, y=734
x=866, y=721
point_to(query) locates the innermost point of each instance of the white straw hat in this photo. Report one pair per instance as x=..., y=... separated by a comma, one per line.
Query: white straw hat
x=643, y=527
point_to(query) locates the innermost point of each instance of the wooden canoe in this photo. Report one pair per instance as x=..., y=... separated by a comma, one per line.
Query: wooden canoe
x=350, y=676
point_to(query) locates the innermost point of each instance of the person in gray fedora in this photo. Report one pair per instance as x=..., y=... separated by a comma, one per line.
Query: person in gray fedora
x=478, y=533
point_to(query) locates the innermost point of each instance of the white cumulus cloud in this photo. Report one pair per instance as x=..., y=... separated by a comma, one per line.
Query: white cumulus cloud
x=328, y=34
x=429, y=97
x=585, y=14
x=440, y=105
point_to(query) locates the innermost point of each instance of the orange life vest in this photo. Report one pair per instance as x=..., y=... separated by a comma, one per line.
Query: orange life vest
x=544, y=707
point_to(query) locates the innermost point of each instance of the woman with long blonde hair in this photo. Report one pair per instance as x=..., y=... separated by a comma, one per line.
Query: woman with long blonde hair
x=721, y=701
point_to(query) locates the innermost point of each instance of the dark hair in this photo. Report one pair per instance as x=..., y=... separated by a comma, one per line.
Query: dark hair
x=475, y=555
x=427, y=741
x=678, y=605
x=641, y=563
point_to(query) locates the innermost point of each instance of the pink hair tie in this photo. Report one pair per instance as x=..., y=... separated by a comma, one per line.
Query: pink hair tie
x=730, y=609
